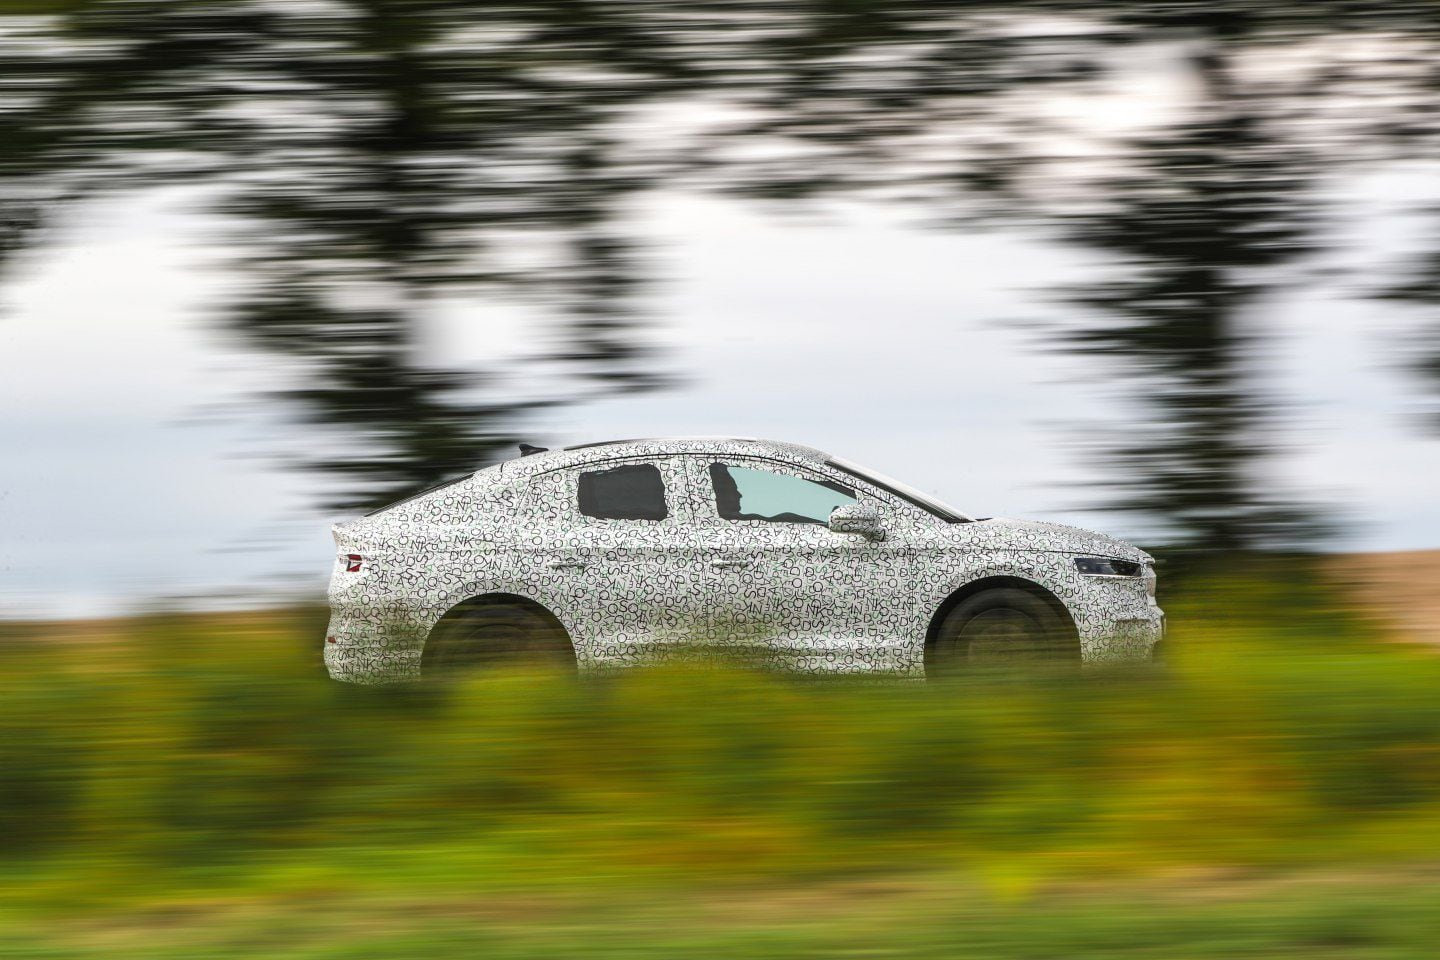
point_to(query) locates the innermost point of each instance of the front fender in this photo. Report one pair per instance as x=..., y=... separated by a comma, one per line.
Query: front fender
x=1095, y=609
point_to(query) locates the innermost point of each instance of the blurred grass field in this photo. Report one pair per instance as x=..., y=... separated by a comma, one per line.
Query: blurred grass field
x=190, y=785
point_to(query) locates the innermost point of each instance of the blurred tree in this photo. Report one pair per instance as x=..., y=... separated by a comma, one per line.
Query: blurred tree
x=1033, y=114
x=1202, y=219
x=380, y=154
x=375, y=156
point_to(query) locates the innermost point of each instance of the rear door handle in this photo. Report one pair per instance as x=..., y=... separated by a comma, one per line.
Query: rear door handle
x=566, y=565
x=731, y=562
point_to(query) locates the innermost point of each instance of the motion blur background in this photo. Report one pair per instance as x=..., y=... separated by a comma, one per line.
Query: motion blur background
x=1169, y=269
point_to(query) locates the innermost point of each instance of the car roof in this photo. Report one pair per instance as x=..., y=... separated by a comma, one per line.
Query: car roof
x=660, y=446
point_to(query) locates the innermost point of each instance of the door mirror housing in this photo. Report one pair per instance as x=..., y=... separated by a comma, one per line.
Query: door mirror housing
x=857, y=518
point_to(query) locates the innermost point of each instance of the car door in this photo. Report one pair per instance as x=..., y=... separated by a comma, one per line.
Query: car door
x=783, y=587
x=613, y=548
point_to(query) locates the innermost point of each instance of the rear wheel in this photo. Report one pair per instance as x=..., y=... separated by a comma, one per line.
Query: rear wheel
x=496, y=635
x=998, y=628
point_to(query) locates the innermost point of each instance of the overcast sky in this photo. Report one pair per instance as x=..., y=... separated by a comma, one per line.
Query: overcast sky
x=907, y=350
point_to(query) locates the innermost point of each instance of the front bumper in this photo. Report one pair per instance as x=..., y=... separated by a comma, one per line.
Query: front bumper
x=1126, y=639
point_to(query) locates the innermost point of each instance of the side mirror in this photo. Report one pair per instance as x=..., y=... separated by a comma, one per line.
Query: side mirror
x=857, y=518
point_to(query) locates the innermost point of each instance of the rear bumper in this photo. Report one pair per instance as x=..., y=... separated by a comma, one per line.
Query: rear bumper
x=359, y=650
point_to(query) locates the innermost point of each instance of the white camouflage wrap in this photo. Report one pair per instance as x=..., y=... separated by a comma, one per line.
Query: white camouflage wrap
x=632, y=590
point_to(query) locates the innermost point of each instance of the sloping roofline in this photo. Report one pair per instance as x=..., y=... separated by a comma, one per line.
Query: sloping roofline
x=697, y=439
x=704, y=444
x=538, y=463
x=658, y=446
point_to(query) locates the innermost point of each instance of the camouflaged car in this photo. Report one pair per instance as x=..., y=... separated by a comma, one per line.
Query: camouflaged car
x=612, y=554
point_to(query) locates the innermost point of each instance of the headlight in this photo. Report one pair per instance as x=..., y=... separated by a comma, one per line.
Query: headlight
x=1105, y=567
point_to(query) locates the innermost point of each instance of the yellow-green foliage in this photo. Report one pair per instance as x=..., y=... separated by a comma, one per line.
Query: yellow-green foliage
x=208, y=752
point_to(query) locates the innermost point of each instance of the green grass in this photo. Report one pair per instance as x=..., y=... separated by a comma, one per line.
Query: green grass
x=939, y=917
x=191, y=786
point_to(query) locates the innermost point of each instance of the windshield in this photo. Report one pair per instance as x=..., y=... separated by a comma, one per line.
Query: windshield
x=922, y=500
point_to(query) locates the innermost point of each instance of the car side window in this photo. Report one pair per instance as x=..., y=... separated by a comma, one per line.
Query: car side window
x=748, y=493
x=633, y=491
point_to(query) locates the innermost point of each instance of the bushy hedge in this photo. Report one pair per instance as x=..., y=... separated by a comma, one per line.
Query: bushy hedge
x=208, y=751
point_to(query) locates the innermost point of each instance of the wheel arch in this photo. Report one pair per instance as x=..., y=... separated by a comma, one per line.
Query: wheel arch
x=974, y=587
x=499, y=598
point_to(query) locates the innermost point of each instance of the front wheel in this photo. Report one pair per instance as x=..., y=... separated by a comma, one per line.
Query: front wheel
x=998, y=628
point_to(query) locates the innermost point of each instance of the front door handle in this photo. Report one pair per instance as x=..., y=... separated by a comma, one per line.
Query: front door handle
x=731, y=562
x=566, y=565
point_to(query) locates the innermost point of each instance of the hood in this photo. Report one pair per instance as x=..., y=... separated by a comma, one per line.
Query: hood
x=1003, y=533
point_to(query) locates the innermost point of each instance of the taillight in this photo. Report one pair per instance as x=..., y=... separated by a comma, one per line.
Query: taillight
x=353, y=562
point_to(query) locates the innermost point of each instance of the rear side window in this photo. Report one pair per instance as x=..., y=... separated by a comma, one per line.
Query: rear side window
x=632, y=492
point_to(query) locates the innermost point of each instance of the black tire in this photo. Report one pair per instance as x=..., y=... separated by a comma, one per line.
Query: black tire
x=1001, y=627
x=487, y=636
